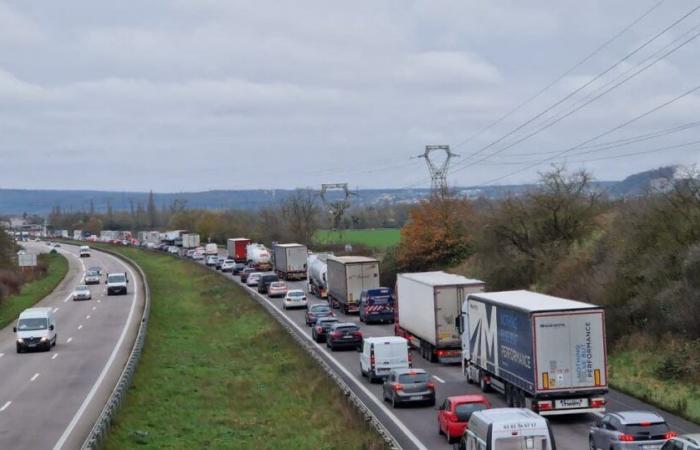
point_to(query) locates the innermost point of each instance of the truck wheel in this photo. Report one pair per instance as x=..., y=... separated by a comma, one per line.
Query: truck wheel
x=483, y=385
x=509, y=395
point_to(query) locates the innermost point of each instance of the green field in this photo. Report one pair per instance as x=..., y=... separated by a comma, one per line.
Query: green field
x=632, y=371
x=218, y=373
x=34, y=291
x=377, y=237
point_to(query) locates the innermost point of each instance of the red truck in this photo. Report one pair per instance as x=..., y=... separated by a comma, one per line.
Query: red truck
x=236, y=248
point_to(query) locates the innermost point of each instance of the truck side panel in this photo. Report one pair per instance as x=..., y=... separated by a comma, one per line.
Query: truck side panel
x=570, y=351
x=416, y=308
x=337, y=280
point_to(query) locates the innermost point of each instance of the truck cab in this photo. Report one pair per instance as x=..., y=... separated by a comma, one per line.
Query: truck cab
x=116, y=283
x=376, y=305
x=35, y=330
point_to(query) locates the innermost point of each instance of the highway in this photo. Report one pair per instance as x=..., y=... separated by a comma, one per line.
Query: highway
x=50, y=400
x=416, y=427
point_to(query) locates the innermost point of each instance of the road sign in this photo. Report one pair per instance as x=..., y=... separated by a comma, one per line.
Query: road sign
x=26, y=260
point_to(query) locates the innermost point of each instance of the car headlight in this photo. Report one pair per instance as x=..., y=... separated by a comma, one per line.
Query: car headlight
x=44, y=339
x=20, y=341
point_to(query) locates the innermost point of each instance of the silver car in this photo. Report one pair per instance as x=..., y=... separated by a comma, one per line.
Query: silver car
x=92, y=277
x=685, y=442
x=82, y=292
x=633, y=430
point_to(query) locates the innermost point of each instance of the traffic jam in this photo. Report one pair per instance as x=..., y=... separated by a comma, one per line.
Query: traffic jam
x=533, y=359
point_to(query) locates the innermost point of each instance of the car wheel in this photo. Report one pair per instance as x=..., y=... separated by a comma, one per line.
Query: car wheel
x=440, y=433
x=482, y=383
x=361, y=319
x=591, y=445
x=394, y=404
x=19, y=348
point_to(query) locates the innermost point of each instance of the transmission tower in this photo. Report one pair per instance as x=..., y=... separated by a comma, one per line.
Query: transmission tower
x=438, y=172
x=336, y=208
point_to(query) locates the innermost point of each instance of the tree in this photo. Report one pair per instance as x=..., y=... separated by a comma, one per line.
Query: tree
x=152, y=211
x=300, y=213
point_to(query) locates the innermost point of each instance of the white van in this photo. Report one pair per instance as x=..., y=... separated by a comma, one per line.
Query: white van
x=507, y=429
x=381, y=355
x=35, y=329
x=84, y=251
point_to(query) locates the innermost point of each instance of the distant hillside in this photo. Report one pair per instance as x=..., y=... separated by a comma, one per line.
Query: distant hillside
x=18, y=201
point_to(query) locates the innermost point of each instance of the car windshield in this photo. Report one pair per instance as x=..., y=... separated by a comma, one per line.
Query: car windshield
x=327, y=322
x=277, y=284
x=82, y=288
x=379, y=300
x=415, y=377
x=465, y=410
x=32, y=324
x=319, y=309
x=523, y=443
x=116, y=279
x=296, y=293
x=228, y=261
x=92, y=273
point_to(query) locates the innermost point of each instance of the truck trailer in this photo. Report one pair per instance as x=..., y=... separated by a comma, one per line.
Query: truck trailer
x=258, y=256
x=290, y=261
x=347, y=277
x=236, y=248
x=544, y=353
x=190, y=240
x=427, y=304
x=316, y=274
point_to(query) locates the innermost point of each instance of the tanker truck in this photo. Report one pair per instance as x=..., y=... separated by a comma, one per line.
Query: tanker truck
x=258, y=256
x=316, y=274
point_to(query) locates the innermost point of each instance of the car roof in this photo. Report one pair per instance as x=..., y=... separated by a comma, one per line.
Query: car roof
x=34, y=312
x=386, y=339
x=345, y=324
x=408, y=370
x=474, y=398
x=320, y=304
x=632, y=417
x=328, y=319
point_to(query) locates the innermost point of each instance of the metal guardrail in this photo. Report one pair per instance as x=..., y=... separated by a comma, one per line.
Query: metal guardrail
x=104, y=422
x=353, y=398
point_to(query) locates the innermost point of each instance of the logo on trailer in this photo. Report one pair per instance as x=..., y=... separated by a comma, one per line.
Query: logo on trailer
x=485, y=334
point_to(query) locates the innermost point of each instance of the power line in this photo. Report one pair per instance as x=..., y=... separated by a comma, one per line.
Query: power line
x=595, y=138
x=563, y=75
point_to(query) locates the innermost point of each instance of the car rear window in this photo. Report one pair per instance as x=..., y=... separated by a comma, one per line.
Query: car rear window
x=651, y=430
x=320, y=308
x=465, y=410
x=347, y=329
x=414, y=378
x=296, y=294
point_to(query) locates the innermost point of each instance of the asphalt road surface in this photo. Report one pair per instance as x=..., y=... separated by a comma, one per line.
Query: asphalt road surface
x=50, y=400
x=416, y=427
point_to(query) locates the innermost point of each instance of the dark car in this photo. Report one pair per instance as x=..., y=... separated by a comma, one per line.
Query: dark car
x=344, y=335
x=245, y=272
x=265, y=281
x=404, y=386
x=314, y=312
x=376, y=305
x=238, y=267
x=219, y=263
x=321, y=327
x=614, y=431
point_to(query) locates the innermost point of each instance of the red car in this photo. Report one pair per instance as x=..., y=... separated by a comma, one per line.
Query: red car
x=454, y=413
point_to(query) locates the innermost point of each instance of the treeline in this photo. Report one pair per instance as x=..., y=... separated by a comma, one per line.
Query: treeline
x=11, y=278
x=639, y=257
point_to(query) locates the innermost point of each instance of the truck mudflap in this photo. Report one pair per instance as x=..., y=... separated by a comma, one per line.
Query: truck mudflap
x=558, y=407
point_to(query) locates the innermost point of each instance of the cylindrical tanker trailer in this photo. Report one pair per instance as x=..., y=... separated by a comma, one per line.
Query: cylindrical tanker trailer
x=258, y=256
x=316, y=274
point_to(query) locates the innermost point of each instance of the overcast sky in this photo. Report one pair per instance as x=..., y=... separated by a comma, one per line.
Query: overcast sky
x=185, y=95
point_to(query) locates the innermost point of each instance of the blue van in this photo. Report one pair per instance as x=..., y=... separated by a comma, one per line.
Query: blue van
x=376, y=305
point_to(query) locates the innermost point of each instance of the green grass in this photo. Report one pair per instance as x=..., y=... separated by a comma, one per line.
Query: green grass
x=32, y=292
x=218, y=373
x=632, y=371
x=377, y=238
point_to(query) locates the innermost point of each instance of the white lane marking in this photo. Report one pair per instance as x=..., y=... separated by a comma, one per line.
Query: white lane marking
x=4, y=407
x=438, y=378
x=68, y=340
x=55, y=355
x=69, y=429
x=80, y=327
x=1, y=355
x=87, y=317
x=55, y=309
x=94, y=308
x=65, y=300
x=99, y=301
x=36, y=375
x=399, y=424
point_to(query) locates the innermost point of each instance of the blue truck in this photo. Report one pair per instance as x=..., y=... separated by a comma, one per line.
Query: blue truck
x=376, y=306
x=544, y=353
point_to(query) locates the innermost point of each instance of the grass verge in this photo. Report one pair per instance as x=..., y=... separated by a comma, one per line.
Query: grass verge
x=217, y=372
x=633, y=372
x=33, y=291
x=378, y=238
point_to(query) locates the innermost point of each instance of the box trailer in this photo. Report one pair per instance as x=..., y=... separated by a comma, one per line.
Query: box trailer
x=347, y=276
x=290, y=261
x=544, y=353
x=427, y=304
x=190, y=240
x=236, y=248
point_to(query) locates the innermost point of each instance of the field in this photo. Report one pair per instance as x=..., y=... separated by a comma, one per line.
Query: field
x=632, y=371
x=378, y=237
x=218, y=373
x=32, y=292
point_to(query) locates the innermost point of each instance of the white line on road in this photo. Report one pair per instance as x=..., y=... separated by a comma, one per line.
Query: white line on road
x=4, y=407
x=54, y=356
x=88, y=316
x=80, y=327
x=55, y=309
x=94, y=308
x=438, y=378
x=69, y=339
x=99, y=301
x=69, y=429
x=1, y=355
x=36, y=375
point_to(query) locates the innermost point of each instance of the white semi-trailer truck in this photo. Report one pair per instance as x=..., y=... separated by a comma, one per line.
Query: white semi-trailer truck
x=544, y=353
x=190, y=240
x=427, y=304
x=348, y=276
x=317, y=269
x=290, y=261
x=258, y=256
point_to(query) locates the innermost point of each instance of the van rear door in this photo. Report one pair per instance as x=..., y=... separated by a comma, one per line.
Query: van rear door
x=391, y=355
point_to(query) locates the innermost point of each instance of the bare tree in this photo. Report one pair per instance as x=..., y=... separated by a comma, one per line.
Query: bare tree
x=300, y=213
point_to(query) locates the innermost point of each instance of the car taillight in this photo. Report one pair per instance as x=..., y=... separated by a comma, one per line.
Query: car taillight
x=357, y=333
x=626, y=438
x=371, y=360
x=397, y=387
x=598, y=402
x=319, y=329
x=430, y=385
x=544, y=405
x=336, y=334
x=670, y=435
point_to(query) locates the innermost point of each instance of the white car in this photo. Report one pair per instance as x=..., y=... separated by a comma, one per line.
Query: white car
x=173, y=250
x=197, y=256
x=253, y=279
x=82, y=292
x=211, y=260
x=295, y=298
x=228, y=265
